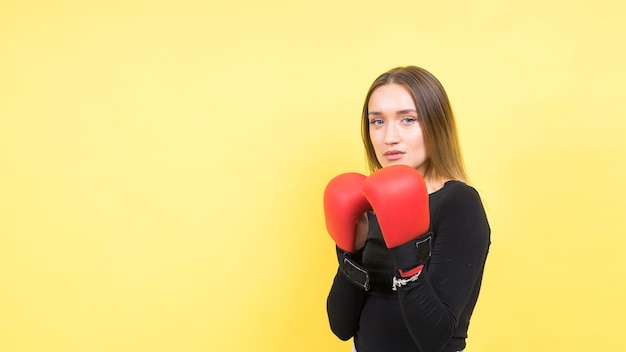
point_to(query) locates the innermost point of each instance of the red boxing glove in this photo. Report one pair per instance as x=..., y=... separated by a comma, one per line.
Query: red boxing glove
x=399, y=198
x=344, y=204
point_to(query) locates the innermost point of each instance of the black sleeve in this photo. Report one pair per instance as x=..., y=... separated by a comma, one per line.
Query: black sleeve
x=344, y=303
x=432, y=305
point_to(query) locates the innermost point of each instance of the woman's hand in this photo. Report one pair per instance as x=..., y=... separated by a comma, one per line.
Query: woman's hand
x=361, y=232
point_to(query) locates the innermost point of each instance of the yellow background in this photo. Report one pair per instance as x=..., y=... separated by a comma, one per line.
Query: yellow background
x=162, y=165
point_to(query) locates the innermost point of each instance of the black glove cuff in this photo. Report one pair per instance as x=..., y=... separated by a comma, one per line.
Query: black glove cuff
x=356, y=256
x=355, y=273
x=413, y=253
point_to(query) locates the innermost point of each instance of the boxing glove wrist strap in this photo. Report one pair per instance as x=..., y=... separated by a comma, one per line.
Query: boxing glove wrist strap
x=402, y=282
x=355, y=273
x=412, y=254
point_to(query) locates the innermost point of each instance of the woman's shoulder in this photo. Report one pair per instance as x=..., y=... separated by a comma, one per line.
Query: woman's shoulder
x=456, y=193
x=457, y=188
x=460, y=204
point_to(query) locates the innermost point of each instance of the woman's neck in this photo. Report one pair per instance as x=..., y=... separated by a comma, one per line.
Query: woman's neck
x=434, y=182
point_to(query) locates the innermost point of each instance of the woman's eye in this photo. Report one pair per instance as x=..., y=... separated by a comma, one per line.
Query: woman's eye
x=409, y=119
x=376, y=122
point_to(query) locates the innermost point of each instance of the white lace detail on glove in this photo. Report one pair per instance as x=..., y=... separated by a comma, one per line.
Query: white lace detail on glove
x=402, y=282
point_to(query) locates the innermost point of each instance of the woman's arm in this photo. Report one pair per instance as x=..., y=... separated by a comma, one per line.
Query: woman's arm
x=433, y=304
x=344, y=208
x=345, y=300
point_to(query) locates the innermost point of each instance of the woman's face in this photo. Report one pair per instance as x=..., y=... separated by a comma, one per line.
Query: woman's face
x=394, y=129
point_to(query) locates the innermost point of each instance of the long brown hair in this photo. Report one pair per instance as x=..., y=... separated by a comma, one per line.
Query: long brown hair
x=435, y=116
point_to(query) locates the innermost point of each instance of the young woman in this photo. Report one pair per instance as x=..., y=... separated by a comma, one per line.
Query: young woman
x=412, y=237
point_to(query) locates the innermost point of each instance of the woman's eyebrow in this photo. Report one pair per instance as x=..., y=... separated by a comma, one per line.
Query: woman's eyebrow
x=399, y=112
x=406, y=111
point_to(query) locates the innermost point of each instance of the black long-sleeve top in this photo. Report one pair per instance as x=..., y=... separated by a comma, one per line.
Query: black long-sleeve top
x=433, y=313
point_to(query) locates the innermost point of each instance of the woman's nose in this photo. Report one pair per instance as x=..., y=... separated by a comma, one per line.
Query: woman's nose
x=391, y=134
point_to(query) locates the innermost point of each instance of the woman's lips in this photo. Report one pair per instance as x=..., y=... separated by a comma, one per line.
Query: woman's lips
x=393, y=155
